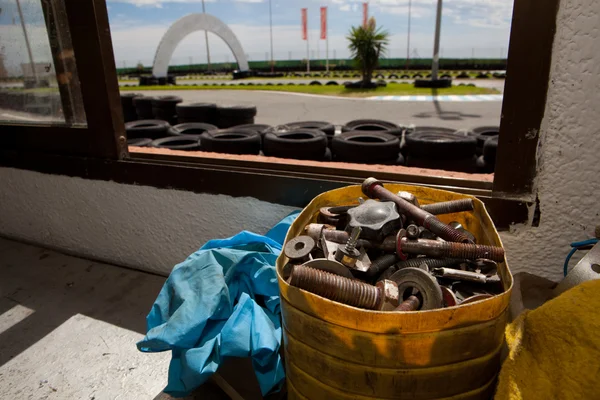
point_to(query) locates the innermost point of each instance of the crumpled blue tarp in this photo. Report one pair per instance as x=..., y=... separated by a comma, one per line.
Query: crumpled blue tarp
x=223, y=301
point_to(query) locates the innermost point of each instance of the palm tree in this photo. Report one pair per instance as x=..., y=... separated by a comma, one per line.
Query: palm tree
x=367, y=44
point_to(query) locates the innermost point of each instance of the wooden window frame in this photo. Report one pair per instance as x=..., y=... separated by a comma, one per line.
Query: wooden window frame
x=99, y=151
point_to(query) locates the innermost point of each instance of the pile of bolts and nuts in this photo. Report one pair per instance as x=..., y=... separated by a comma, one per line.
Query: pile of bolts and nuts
x=393, y=255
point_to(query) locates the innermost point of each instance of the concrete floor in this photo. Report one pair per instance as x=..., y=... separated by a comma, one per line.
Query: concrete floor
x=69, y=327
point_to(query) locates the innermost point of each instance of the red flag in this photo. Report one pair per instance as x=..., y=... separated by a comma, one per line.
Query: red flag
x=323, y=22
x=365, y=14
x=304, y=24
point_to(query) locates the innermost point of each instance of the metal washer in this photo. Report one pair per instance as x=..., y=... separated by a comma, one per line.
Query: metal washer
x=423, y=282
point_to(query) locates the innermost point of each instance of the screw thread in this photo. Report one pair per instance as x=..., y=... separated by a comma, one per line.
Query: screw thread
x=351, y=243
x=449, y=207
x=334, y=287
x=381, y=264
x=431, y=263
x=475, y=251
x=411, y=304
x=444, y=231
x=464, y=251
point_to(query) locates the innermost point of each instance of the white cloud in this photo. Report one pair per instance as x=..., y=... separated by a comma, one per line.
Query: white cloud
x=160, y=3
x=345, y=7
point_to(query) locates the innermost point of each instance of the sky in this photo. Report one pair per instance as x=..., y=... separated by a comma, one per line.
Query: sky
x=470, y=28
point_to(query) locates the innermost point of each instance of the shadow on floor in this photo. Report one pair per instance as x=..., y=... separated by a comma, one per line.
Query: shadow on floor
x=444, y=115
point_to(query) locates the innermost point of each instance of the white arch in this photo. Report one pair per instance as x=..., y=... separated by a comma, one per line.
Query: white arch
x=189, y=24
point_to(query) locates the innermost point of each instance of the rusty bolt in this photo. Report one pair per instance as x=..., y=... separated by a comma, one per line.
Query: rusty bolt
x=436, y=249
x=374, y=189
x=449, y=207
x=431, y=262
x=343, y=290
x=381, y=264
x=412, y=303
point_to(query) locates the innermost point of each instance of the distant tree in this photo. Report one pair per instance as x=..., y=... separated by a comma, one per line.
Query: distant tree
x=366, y=45
x=139, y=67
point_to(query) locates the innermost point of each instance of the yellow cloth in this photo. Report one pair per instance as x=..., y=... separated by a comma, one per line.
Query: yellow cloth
x=554, y=350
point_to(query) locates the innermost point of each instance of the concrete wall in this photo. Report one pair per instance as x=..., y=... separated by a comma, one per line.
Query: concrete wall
x=102, y=219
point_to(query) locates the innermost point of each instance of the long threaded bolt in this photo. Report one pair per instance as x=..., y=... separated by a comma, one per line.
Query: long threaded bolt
x=381, y=264
x=351, y=243
x=449, y=207
x=411, y=304
x=337, y=288
x=437, y=249
x=431, y=262
x=374, y=189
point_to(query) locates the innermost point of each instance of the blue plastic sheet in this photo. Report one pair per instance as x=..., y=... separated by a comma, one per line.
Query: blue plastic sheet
x=223, y=301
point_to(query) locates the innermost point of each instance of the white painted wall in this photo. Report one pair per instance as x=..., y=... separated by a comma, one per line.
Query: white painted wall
x=153, y=229
x=136, y=226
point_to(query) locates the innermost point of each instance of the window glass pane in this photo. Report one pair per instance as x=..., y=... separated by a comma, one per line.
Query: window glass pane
x=38, y=78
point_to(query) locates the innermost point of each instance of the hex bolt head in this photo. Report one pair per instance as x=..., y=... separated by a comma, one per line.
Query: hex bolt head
x=388, y=299
x=412, y=232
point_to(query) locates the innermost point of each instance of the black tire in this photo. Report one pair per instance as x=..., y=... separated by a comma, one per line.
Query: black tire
x=326, y=127
x=415, y=76
x=483, y=133
x=405, y=76
x=197, y=112
x=490, y=148
x=139, y=142
x=315, y=83
x=166, y=101
x=301, y=144
x=164, y=107
x=440, y=145
x=462, y=75
x=373, y=125
x=332, y=83
x=431, y=129
x=236, y=111
x=183, y=142
x=147, y=128
x=143, y=107
x=129, y=112
x=261, y=129
x=231, y=141
x=192, y=128
x=393, y=76
x=365, y=147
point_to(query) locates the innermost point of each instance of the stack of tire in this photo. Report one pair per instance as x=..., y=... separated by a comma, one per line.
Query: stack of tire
x=165, y=108
x=229, y=116
x=304, y=140
x=159, y=134
x=441, y=148
x=143, y=107
x=369, y=141
x=197, y=112
x=129, y=110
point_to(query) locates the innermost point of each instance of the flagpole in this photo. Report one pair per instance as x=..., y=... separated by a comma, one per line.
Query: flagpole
x=307, y=45
x=327, y=39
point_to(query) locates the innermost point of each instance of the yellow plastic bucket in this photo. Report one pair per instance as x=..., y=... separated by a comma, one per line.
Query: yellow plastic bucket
x=334, y=351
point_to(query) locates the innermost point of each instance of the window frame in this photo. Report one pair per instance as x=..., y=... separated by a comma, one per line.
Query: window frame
x=104, y=135
x=100, y=150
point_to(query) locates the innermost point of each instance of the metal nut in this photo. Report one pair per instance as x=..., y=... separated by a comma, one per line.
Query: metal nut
x=389, y=295
x=411, y=198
